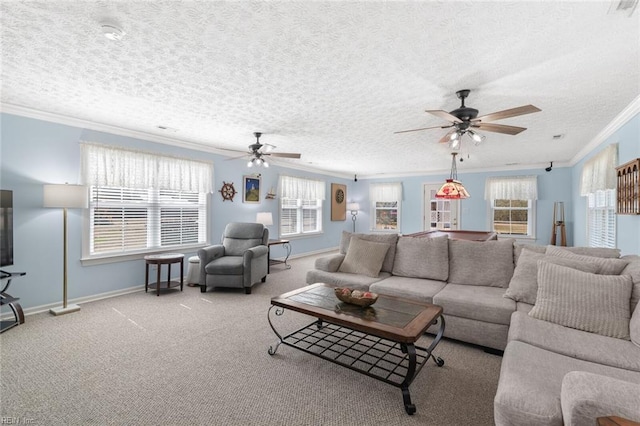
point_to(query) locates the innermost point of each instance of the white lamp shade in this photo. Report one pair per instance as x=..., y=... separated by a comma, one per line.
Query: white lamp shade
x=353, y=206
x=66, y=196
x=265, y=218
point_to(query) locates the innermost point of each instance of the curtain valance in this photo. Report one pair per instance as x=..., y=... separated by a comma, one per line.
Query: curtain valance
x=104, y=165
x=599, y=173
x=511, y=188
x=301, y=188
x=385, y=192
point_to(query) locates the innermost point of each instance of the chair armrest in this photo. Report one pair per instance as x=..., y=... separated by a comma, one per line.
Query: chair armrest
x=329, y=263
x=206, y=255
x=254, y=252
x=586, y=396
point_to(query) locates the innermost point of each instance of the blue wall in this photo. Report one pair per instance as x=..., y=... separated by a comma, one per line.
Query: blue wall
x=552, y=186
x=628, y=226
x=34, y=152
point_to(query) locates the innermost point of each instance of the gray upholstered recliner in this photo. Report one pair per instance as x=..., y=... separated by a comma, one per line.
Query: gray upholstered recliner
x=240, y=261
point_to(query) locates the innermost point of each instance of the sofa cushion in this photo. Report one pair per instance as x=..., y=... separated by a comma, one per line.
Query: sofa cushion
x=574, y=343
x=343, y=279
x=476, y=302
x=531, y=382
x=422, y=258
x=589, y=302
x=633, y=269
x=486, y=263
x=418, y=289
x=391, y=239
x=605, y=266
x=608, y=253
x=523, y=286
x=364, y=257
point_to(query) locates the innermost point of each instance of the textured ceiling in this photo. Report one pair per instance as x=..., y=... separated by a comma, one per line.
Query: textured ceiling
x=331, y=80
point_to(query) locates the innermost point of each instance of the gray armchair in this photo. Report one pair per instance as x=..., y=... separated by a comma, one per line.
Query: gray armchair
x=240, y=261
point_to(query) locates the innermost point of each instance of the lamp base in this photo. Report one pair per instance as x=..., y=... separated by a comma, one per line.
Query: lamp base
x=62, y=311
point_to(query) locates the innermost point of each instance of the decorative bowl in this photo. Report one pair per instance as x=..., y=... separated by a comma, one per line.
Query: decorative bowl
x=356, y=297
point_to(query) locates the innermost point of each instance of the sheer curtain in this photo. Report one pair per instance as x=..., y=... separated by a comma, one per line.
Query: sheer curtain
x=301, y=188
x=109, y=166
x=511, y=188
x=599, y=173
x=385, y=192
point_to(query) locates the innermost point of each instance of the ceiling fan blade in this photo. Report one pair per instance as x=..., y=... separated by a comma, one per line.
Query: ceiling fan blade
x=447, y=138
x=444, y=115
x=283, y=154
x=499, y=128
x=513, y=112
x=424, y=128
x=246, y=154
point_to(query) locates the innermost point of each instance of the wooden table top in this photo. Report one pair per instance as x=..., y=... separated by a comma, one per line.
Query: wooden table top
x=393, y=318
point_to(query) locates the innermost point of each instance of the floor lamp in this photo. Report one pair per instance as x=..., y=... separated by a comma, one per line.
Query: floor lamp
x=65, y=197
x=354, y=207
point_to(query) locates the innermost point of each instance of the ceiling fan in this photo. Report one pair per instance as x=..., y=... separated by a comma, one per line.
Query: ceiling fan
x=258, y=152
x=465, y=120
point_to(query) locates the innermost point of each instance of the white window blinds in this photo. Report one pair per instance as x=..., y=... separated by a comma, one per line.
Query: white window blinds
x=599, y=173
x=301, y=188
x=511, y=188
x=385, y=192
x=107, y=166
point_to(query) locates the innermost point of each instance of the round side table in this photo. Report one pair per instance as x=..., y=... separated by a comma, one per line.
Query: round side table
x=163, y=259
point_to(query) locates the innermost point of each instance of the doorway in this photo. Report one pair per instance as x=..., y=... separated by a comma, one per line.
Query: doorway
x=438, y=212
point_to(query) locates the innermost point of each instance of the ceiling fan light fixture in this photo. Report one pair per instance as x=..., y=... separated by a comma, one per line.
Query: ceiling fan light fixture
x=477, y=137
x=264, y=163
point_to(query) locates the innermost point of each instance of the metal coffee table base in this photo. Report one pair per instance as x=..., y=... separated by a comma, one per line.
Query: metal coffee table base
x=391, y=362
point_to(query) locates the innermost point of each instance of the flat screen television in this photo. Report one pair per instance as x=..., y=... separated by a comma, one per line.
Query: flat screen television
x=6, y=227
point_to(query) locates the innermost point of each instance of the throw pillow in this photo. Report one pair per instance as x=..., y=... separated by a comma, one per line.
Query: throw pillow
x=422, y=258
x=634, y=326
x=610, y=253
x=589, y=302
x=488, y=263
x=518, y=247
x=364, y=257
x=605, y=266
x=391, y=239
x=633, y=269
x=523, y=286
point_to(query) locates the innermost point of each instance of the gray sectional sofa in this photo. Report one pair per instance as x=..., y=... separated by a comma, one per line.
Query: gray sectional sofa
x=566, y=318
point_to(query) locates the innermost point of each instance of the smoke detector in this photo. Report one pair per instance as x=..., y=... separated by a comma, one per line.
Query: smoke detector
x=112, y=32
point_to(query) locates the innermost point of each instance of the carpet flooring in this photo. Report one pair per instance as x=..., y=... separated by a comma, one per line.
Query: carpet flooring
x=192, y=358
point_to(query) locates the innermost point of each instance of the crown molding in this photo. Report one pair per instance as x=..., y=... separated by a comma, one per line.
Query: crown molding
x=107, y=128
x=620, y=120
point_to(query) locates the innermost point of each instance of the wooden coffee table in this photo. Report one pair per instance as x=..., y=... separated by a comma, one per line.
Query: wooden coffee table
x=378, y=341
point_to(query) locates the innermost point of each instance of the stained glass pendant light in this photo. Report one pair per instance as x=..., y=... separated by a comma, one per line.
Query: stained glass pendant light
x=453, y=188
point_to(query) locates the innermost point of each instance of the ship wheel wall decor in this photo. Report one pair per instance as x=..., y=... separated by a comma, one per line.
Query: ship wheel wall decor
x=227, y=191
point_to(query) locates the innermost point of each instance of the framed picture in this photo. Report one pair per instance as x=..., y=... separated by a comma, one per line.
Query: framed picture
x=251, y=189
x=338, y=201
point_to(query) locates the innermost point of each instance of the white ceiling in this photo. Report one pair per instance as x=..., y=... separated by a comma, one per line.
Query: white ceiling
x=331, y=80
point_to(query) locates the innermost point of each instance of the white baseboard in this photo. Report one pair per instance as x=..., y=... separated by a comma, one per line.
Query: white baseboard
x=108, y=294
x=77, y=301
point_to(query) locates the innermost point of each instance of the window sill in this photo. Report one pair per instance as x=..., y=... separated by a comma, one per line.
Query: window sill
x=116, y=258
x=300, y=236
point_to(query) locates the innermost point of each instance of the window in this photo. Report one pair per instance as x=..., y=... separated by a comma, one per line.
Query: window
x=300, y=206
x=598, y=184
x=134, y=209
x=512, y=204
x=385, y=203
x=511, y=217
x=601, y=218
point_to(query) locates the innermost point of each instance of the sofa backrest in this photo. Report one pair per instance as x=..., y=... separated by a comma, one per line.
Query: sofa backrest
x=487, y=263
